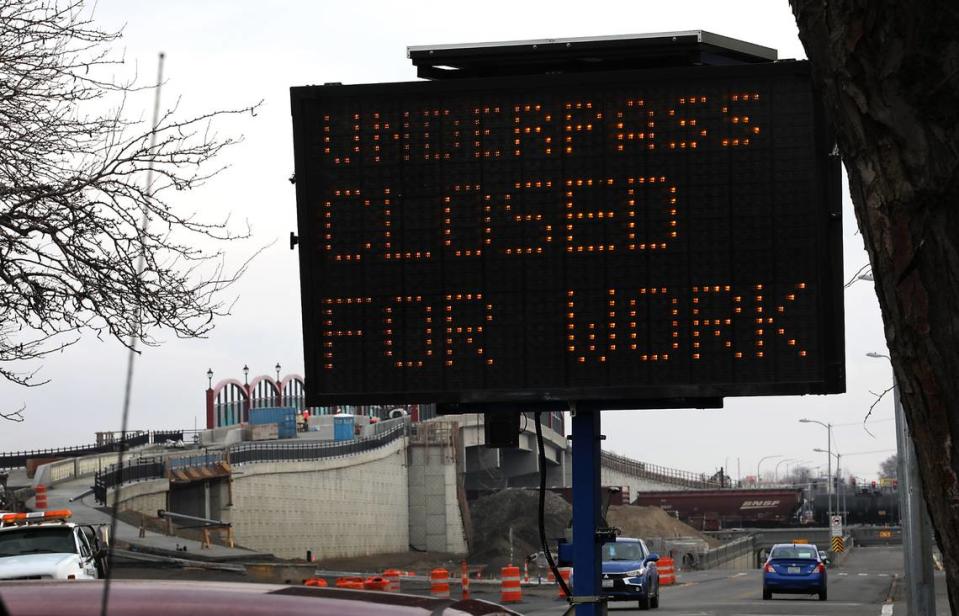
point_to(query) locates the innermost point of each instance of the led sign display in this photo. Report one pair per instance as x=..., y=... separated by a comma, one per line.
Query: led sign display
x=645, y=234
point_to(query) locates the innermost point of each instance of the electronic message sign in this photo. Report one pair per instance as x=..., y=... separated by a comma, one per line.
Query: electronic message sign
x=608, y=236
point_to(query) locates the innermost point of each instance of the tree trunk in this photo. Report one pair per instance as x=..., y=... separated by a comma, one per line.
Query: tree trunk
x=888, y=71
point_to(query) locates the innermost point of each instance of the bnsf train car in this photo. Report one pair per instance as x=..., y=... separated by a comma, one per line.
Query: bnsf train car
x=717, y=509
x=860, y=506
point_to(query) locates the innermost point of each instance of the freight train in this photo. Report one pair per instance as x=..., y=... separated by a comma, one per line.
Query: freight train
x=773, y=507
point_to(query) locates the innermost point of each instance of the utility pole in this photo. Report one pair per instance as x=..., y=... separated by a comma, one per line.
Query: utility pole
x=916, y=527
x=916, y=543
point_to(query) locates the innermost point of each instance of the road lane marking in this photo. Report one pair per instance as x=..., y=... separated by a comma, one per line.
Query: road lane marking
x=863, y=574
x=886, y=610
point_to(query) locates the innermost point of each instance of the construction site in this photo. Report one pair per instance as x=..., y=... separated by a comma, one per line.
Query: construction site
x=279, y=503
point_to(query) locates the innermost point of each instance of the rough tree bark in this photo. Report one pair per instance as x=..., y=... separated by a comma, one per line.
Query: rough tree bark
x=889, y=74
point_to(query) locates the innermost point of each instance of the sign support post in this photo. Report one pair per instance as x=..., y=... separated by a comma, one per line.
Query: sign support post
x=587, y=561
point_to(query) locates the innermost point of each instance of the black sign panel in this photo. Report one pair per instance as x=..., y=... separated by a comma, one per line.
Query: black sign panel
x=648, y=234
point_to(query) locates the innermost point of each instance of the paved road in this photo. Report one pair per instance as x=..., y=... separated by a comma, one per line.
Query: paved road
x=86, y=511
x=859, y=587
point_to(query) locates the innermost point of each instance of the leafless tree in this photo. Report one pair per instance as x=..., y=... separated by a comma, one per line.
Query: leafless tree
x=73, y=194
x=889, y=467
x=888, y=73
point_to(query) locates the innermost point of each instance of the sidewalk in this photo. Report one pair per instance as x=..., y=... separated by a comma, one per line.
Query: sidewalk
x=942, y=599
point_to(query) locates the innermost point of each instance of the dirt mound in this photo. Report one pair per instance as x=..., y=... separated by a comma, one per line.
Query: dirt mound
x=515, y=508
x=649, y=522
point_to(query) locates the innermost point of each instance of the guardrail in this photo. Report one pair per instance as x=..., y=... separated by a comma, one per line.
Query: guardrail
x=18, y=459
x=242, y=453
x=728, y=551
x=655, y=472
x=133, y=470
x=279, y=451
x=200, y=459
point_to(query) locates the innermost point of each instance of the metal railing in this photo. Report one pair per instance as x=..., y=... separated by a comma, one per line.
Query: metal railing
x=195, y=460
x=18, y=459
x=279, y=451
x=133, y=470
x=655, y=472
x=723, y=554
x=243, y=453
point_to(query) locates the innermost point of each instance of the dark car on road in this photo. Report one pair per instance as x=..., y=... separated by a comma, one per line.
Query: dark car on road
x=794, y=568
x=629, y=572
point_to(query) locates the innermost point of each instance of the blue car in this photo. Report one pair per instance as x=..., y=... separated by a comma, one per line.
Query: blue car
x=795, y=568
x=629, y=573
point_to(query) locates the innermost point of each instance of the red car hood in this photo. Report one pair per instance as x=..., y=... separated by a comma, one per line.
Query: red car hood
x=176, y=598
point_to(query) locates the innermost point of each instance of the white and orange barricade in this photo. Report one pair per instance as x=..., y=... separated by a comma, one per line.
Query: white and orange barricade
x=667, y=572
x=393, y=577
x=566, y=573
x=526, y=572
x=465, y=580
x=440, y=583
x=40, y=501
x=510, y=589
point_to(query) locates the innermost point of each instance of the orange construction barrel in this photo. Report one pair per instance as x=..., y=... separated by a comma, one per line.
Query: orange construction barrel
x=667, y=574
x=465, y=580
x=40, y=502
x=440, y=583
x=510, y=589
x=393, y=576
x=566, y=573
x=376, y=582
x=351, y=582
x=315, y=581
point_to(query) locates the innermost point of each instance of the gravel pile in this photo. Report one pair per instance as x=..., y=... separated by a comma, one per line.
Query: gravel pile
x=495, y=514
x=518, y=508
x=649, y=522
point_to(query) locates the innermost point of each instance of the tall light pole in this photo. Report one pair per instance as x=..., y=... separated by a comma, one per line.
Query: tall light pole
x=916, y=543
x=840, y=505
x=828, y=428
x=780, y=463
x=759, y=478
x=794, y=464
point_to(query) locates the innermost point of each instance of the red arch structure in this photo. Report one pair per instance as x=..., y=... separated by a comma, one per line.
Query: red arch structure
x=230, y=401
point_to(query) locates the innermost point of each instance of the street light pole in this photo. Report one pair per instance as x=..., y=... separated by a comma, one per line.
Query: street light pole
x=759, y=478
x=917, y=546
x=841, y=497
x=828, y=427
x=781, y=462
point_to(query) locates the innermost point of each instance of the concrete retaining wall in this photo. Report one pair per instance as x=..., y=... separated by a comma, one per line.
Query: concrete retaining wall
x=145, y=497
x=612, y=477
x=436, y=510
x=71, y=468
x=337, y=507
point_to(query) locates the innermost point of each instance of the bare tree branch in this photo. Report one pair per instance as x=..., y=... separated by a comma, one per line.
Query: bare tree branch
x=72, y=195
x=16, y=416
x=872, y=406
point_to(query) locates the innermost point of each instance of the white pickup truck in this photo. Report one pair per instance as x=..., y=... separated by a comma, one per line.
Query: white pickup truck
x=44, y=546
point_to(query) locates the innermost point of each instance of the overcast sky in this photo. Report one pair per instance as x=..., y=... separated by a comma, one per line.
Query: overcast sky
x=230, y=53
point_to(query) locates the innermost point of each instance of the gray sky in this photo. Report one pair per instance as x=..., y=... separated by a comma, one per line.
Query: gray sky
x=230, y=53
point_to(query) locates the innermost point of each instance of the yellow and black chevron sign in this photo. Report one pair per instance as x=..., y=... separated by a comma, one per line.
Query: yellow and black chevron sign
x=838, y=545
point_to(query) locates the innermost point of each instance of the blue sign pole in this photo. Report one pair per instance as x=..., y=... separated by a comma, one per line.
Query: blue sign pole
x=587, y=561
